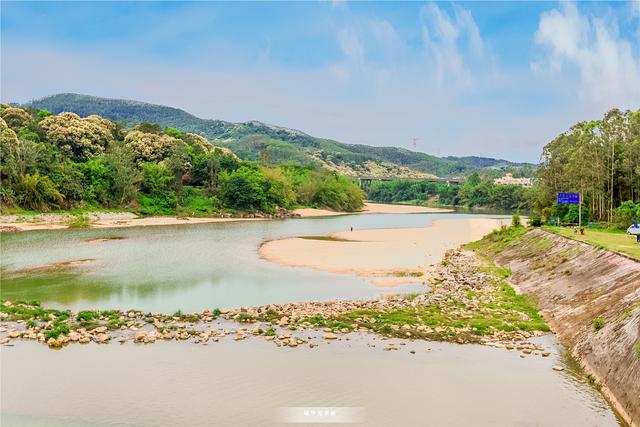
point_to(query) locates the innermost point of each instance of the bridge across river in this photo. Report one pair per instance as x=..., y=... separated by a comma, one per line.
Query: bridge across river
x=365, y=180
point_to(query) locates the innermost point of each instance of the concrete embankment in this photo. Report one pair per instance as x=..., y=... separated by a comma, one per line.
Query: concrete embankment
x=590, y=298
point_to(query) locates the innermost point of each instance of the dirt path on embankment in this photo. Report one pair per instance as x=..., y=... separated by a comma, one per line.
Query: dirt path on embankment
x=591, y=299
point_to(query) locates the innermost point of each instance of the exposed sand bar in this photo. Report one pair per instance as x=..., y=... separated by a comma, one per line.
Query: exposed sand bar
x=125, y=219
x=370, y=208
x=379, y=252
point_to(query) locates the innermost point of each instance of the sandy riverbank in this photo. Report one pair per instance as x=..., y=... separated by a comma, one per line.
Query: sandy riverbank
x=370, y=208
x=126, y=219
x=379, y=252
x=111, y=221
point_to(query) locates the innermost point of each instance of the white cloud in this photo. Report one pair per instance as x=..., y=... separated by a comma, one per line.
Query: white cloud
x=453, y=43
x=353, y=51
x=449, y=92
x=385, y=34
x=589, y=55
x=350, y=45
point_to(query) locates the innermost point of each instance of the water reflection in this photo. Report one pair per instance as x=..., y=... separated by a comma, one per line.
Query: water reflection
x=183, y=267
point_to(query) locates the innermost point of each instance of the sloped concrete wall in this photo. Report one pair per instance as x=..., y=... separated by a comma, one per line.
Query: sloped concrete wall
x=576, y=283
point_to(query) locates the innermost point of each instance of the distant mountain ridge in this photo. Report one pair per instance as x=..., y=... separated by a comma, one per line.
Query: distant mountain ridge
x=253, y=139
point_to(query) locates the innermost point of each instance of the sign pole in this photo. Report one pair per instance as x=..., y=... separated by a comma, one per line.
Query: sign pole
x=580, y=212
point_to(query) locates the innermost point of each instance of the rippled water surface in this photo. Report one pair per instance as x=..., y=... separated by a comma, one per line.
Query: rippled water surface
x=189, y=268
x=247, y=383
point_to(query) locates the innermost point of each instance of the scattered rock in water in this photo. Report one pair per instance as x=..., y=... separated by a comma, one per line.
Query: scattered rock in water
x=139, y=336
x=102, y=338
x=465, y=290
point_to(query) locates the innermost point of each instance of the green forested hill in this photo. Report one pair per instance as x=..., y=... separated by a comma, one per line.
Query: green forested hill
x=251, y=140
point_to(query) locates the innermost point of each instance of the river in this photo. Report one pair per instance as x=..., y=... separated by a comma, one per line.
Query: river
x=251, y=383
x=188, y=268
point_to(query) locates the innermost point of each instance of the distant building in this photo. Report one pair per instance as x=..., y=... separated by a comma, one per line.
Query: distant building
x=508, y=179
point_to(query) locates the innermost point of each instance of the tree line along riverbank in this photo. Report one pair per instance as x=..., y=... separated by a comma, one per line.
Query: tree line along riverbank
x=65, y=162
x=598, y=158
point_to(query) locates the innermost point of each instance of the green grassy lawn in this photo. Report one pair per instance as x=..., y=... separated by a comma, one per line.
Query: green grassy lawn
x=614, y=240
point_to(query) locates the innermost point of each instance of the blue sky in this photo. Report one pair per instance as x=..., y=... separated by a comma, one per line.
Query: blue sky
x=494, y=79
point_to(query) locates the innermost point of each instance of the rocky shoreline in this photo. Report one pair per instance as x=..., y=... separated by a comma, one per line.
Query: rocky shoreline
x=468, y=302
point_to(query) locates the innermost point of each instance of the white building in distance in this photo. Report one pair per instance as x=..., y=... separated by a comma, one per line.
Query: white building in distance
x=508, y=179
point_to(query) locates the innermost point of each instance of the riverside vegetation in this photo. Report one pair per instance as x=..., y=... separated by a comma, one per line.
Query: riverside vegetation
x=65, y=162
x=469, y=302
x=598, y=158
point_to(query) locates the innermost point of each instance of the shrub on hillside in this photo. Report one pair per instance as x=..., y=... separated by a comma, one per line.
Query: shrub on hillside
x=535, y=220
x=625, y=214
x=515, y=220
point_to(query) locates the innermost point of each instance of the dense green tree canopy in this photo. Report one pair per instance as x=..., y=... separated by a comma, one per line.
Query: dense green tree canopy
x=65, y=161
x=600, y=159
x=475, y=192
x=80, y=138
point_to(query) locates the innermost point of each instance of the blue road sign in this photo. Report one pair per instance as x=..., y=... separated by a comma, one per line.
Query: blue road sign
x=568, y=198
